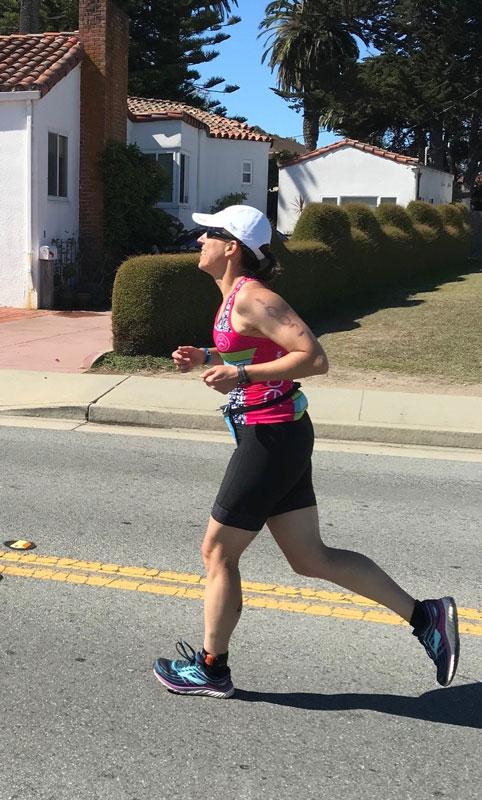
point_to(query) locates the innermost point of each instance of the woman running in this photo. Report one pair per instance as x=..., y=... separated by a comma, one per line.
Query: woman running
x=261, y=346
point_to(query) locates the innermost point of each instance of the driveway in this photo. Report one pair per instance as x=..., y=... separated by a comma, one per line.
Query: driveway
x=53, y=341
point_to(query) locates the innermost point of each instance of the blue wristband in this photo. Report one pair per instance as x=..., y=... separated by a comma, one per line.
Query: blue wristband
x=208, y=356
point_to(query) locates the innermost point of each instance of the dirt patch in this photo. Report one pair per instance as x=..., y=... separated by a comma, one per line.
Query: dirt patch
x=349, y=378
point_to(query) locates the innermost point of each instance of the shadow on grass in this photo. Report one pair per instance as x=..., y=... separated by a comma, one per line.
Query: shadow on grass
x=458, y=705
x=345, y=317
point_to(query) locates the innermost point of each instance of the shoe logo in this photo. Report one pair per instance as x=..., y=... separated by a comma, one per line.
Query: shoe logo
x=436, y=639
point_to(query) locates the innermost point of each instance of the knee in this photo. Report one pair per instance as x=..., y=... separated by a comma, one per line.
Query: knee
x=312, y=565
x=216, y=559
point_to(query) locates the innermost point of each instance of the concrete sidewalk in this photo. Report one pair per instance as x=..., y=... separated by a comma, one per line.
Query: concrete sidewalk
x=349, y=414
x=57, y=341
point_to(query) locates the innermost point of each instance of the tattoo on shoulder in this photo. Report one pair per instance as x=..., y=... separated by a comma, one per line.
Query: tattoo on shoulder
x=282, y=316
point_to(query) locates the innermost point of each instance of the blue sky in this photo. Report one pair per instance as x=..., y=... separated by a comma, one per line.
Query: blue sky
x=239, y=62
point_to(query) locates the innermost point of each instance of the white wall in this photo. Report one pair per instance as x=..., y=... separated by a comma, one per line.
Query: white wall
x=435, y=186
x=221, y=164
x=215, y=165
x=55, y=218
x=347, y=172
x=14, y=263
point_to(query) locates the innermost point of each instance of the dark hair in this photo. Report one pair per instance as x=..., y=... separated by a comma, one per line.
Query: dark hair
x=265, y=270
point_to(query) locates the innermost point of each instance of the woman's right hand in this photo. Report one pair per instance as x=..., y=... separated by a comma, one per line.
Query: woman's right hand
x=187, y=358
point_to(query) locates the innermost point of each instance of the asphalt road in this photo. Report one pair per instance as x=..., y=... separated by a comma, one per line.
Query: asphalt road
x=325, y=705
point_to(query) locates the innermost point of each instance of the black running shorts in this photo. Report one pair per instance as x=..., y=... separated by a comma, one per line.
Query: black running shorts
x=269, y=473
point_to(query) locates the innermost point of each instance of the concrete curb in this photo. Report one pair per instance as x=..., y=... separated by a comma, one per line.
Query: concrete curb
x=201, y=420
x=79, y=412
x=352, y=415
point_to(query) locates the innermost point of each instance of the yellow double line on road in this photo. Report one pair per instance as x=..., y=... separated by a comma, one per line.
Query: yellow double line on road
x=312, y=602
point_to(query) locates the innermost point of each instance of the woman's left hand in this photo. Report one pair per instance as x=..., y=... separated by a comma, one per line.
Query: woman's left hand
x=223, y=378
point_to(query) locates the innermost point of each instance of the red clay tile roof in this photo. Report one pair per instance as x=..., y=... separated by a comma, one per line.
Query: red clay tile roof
x=367, y=148
x=146, y=110
x=37, y=61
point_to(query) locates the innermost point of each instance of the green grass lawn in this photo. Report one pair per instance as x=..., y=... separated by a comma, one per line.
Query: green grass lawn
x=435, y=332
x=145, y=365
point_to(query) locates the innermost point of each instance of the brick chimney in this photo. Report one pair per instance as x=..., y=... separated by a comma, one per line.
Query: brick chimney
x=104, y=32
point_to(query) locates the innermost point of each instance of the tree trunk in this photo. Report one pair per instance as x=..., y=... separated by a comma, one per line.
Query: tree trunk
x=475, y=149
x=29, y=16
x=437, y=150
x=311, y=126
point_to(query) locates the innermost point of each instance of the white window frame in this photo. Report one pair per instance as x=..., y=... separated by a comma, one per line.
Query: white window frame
x=176, y=199
x=184, y=190
x=246, y=171
x=57, y=196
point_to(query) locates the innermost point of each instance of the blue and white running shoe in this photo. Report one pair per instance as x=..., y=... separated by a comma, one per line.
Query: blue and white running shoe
x=190, y=675
x=440, y=637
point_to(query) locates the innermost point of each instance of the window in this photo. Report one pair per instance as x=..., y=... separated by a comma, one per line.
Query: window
x=330, y=201
x=57, y=165
x=247, y=172
x=386, y=201
x=166, y=162
x=184, y=179
x=368, y=201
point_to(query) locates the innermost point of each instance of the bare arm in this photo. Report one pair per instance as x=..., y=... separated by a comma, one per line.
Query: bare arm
x=187, y=357
x=269, y=314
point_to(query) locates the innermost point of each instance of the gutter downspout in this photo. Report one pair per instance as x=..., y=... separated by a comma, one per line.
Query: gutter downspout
x=32, y=296
x=198, y=167
x=417, y=174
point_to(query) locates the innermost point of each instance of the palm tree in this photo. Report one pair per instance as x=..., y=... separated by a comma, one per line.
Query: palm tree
x=311, y=44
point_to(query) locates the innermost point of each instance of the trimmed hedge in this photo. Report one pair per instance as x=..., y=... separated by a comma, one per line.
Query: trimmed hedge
x=320, y=222
x=162, y=301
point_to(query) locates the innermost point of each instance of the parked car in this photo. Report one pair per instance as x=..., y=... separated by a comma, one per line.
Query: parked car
x=186, y=242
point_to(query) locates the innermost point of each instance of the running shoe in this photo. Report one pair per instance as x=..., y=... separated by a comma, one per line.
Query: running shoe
x=440, y=637
x=190, y=675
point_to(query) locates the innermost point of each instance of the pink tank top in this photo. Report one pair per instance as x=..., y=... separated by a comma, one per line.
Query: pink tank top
x=235, y=348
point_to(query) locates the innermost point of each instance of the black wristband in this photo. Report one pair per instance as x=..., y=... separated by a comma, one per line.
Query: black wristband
x=243, y=379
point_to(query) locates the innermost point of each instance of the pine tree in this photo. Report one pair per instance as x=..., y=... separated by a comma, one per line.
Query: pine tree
x=168, y=39
x=424, y=90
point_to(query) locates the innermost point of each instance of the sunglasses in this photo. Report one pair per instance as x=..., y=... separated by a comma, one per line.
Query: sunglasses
x=220, y=233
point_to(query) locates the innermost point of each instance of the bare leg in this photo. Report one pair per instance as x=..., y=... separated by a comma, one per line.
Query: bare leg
x=298, y=535
x=221, y=550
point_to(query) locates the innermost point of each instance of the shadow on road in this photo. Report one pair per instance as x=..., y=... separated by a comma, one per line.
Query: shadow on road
x=458, y=705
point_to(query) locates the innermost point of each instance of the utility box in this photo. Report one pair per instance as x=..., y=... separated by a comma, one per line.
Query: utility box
x=48, y=252
x=47, y=259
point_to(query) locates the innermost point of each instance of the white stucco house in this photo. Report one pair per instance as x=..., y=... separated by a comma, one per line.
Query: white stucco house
x=39, y=156
x=62, y=97
x=205, y=155
x=350, y=171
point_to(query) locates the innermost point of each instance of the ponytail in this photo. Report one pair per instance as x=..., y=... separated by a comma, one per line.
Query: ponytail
x=265, y=270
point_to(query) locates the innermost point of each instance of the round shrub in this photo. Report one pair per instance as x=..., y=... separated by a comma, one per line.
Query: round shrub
x=457, y=242
x=160, y=302
x=311, y=277
x=400, y=256
x=425, y=214
x=365, y=261
x=463, y=211
x=395, y=216
x=320, y=222
x=363, y=218
x=429, y=240
x=452, y=215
